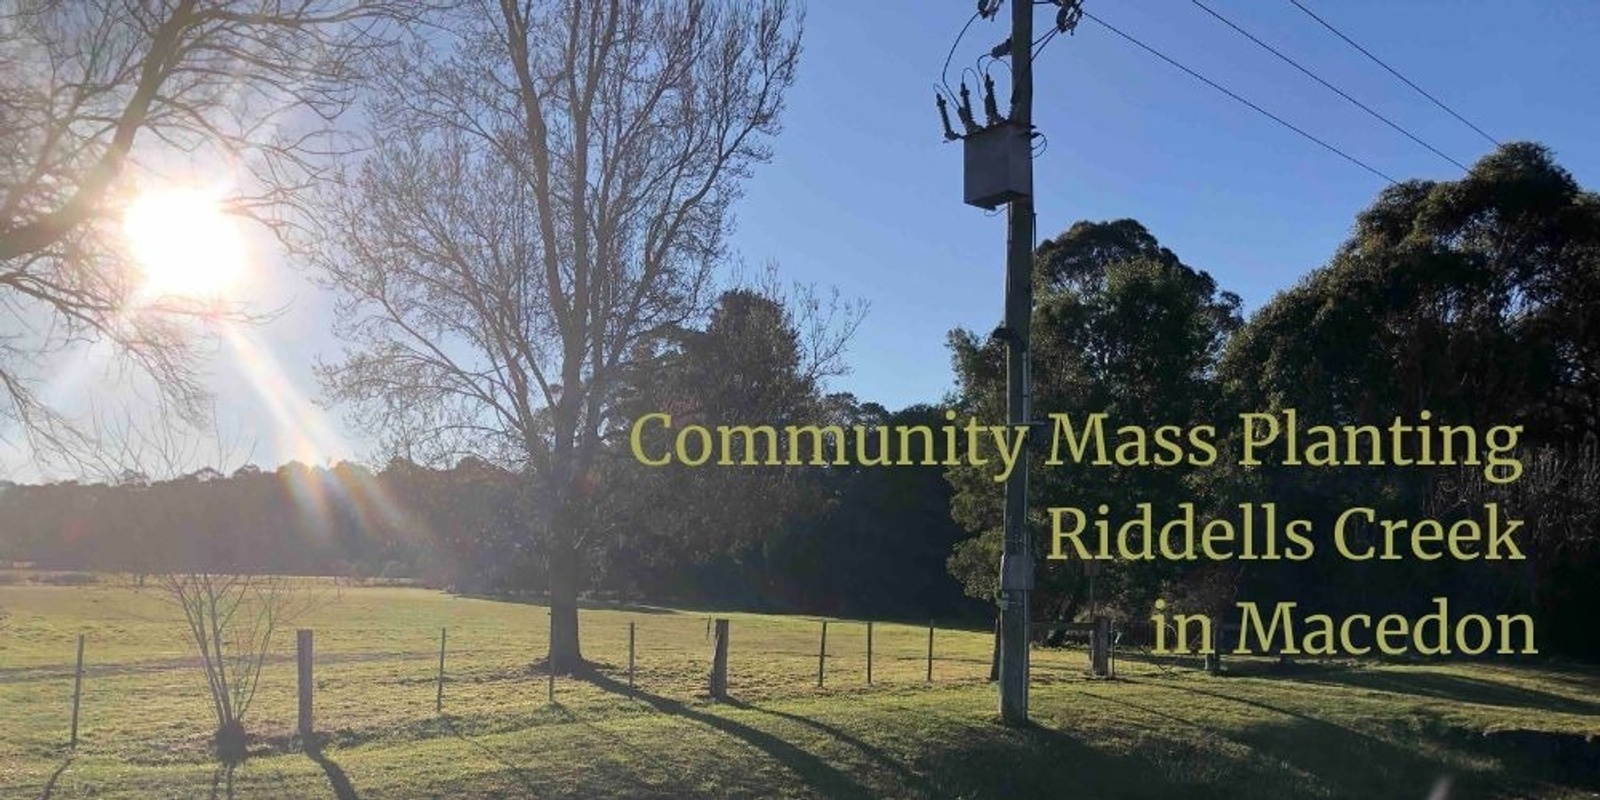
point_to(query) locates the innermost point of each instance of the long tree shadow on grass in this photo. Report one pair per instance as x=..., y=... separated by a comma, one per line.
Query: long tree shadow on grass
x=1355, y=763
x=1039, y=761
x=984, y=760
x=1457, y=688
x=521, y=775
x=50, y=786
x=530, y=788
x=340, y=782
x=1551, y=754
x=222, y=782
x=817, y=773
x=904, y=774
x=1344, y=758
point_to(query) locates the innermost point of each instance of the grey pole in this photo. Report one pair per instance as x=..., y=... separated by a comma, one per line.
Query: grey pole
x=1016, y=560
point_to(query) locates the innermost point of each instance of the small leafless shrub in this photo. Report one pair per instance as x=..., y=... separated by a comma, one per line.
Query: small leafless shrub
x=231, y=622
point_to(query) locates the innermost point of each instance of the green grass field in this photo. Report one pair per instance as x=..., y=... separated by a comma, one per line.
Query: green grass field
x=1347, y=730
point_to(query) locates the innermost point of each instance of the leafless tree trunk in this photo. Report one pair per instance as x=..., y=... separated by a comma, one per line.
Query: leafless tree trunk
x=546, y=193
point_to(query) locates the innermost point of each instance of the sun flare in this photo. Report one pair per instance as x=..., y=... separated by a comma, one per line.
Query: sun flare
x=185, y=244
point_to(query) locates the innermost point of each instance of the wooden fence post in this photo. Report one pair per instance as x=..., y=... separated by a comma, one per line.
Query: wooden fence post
x=438, y=698
x=1100, y=647
x=930, y=651
x=869, y=653
x=719, y=662
x=994, y=660
x=77, y=691
x=630, y=659
x=1111, y=650
x=303, y=656
x=1213, y=659
x=822, y=653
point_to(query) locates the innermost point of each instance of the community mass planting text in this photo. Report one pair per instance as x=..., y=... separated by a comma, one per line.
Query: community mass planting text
x=1249, y=531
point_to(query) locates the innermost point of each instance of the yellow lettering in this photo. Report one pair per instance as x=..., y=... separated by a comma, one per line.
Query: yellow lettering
x=636, y=440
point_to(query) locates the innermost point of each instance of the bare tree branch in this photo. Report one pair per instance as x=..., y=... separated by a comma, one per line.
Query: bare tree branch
x=96, y=93
x=546, y=192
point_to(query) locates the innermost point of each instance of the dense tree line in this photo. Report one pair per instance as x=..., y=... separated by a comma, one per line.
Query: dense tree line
x=296, y=519
x=1474, y=299
x=1479, y=301
x=867, y=543
x=855, y=541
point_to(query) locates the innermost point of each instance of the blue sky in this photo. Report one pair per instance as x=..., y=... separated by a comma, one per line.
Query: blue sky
x=863, y=194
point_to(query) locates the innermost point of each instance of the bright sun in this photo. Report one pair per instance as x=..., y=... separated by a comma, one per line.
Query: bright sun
x=184, y=243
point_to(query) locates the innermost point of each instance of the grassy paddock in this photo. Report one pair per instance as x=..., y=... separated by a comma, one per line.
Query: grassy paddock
x=1332, y=731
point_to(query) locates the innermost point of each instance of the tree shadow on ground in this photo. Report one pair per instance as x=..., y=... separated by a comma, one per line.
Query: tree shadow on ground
x=1352, y=762
x=814, y=771
x=222, y=781
x=50, y=786
x=903, y=774
x=340, y=782
x=608, y=773
x=1457, y=688
x=499, y=757
x=997, y=761
x=1038, y=761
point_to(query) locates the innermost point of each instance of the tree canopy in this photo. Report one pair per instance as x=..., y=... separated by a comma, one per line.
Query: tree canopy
x=1474, y=300
x=99, y=98
x=547, y=193
x=1121, y=326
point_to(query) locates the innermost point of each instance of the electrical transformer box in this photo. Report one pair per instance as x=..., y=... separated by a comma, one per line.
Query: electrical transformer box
x=998, y=166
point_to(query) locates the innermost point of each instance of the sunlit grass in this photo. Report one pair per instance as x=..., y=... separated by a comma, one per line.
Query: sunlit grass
x=1352, y=731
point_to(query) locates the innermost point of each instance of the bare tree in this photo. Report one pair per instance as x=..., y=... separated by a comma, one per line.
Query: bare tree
x=231, y=621
x=93, y=93
x=549, y=190
x=230, y=615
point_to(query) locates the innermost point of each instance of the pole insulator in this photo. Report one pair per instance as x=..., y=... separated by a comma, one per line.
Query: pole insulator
x=950, y=134
x=991, y=109
x=964, y=110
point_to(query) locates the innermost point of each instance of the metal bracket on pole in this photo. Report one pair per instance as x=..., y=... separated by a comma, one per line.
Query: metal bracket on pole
x=1016, y=572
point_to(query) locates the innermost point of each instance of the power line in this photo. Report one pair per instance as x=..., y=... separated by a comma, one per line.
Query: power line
x=1043, y=41
x=1258, y=109
x=944, y=74
x=992, y=61
x=1336, y=90
x=1394, y=72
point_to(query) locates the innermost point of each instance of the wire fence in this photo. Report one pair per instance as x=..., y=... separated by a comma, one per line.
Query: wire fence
x=358, y=683
x=109, y=667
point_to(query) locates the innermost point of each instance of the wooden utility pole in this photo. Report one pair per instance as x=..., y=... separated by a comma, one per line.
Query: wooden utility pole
x=1016, y=560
